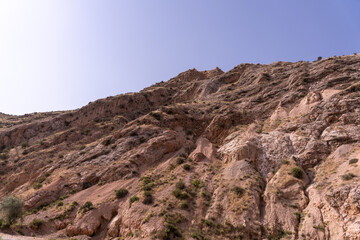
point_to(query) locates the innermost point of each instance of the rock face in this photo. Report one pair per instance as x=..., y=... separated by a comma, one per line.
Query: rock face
x=259, y=152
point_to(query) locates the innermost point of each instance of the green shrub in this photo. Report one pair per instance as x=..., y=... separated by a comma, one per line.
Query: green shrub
x=180, y=184
x=352, y=161
x=148, y=187
x=238, y=190
x=4, y=156
x=24, y=144
x=297, y=172
x=320, y=227
x=348, y=176
x=86, y=207
x=184, y=205
x=12, y=208
x=122, y=192
x=37, y=185
x=36, y=223
x=186, y=167
x=106, y=142
x=180, y=160
x=180, y=194
x=134, y=199
x=197, y=183
x=3, y=224
x=148, y=198
x=171, y=232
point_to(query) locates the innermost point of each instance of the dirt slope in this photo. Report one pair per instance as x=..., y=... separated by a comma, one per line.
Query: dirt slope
x=258, y=152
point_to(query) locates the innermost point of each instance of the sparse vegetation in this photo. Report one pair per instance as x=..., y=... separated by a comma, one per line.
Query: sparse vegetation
x=134, y=199
x=180, y=160
x=24, y=144
x=180, y=185
x=171, y=232
x=36, y=223
x=148, y=198
x=348, y=176
x=12, y=208
x=197, y=183
x=180, y=194
x=353, y=161
x=86, y=207
x=187, y=167
x=239, y=191
x=320, y=227
x=184, y=205
x=4, y=156
x=297, y=172
x=121, y=193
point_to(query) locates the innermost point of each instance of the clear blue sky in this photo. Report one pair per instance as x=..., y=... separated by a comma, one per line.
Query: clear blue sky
x=61, y=54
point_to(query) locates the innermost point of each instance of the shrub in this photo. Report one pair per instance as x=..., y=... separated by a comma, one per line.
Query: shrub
x=186, y=167
x=348, y=176
x=352, y=161
x=238, y=190
x=180, y=160
x=320, y=227
x=148, y=198
x=286, y=162
x=106, y=142
x=86, y=207
x=60, y=203
x=4, y=156
x=134, y=199
x=180, y=194
x=36, y=223
x=37, y=185
x=171, y=232
x=319, y=58
x=180, y=184
x=122, y=192
x=197, y=183
x=3, y=224
x=12, y=208
x=297, y=172
x=184, y=205
x=24, y=144
x=155, y=115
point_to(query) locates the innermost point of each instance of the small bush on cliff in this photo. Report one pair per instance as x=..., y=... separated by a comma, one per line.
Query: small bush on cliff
x=4, y=156
x=180, y=194
x=86, y=207
x=148, y=198
x=171, y=232
x=348, y=176
x=12, y=208
x=352, y=161
x=238, y=191
x=24, y=144
x=36, y=223
x=122, y=192
x=134, y=199
x=187, y=167
x=297, y=172
x=180, y=184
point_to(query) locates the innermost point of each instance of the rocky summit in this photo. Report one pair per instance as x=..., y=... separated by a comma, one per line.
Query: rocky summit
x=258, y=152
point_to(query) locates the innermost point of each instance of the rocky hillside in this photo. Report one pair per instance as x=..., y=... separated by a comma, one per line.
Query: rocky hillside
x=258, y=152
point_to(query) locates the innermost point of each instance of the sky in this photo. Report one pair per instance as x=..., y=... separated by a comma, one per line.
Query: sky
x=62, y=54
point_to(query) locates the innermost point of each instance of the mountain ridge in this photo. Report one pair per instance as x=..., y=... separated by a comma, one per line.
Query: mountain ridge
x=257, y=152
